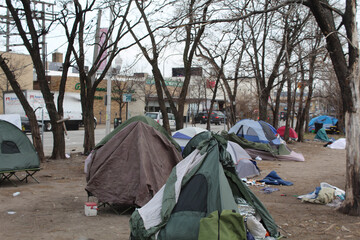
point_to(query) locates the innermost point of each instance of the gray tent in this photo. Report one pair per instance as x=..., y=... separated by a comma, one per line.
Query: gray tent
x=245, y=168
x=131, y=166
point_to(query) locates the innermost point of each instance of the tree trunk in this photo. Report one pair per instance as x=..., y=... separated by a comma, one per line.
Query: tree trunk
x=27, y=108
x=293, y=101
x=346, y=67
x=300, y=111
x=158, y=76
x=59, y=141
x=263, y=104
x=88, y=120
x=31, y=42
x=288, y=110
x=351, y=204
x=277, y=105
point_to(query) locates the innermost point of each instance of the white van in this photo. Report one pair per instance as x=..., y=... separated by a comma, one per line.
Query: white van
x=157, y=116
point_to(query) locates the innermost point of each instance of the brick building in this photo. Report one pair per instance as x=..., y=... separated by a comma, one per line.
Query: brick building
x=22, y=66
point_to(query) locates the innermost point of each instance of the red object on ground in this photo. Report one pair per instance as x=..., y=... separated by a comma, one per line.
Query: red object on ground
x=292, y=133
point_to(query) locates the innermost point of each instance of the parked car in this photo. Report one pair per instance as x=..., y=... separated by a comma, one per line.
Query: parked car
x=157, y=116
x=201, y=117
x=221, y=115
x=25, y=124
x=216, y=117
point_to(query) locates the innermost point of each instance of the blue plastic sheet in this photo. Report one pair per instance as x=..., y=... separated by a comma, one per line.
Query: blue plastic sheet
x=273, y=179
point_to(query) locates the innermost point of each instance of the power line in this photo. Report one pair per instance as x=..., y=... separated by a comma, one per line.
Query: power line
x=43, y=14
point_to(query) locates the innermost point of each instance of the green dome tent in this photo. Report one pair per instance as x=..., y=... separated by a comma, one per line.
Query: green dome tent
x=16, y=153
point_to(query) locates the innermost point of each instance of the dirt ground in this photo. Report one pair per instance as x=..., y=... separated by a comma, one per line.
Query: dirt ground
x=54, y=209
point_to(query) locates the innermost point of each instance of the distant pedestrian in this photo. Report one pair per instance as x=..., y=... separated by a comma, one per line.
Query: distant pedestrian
x=193, y=123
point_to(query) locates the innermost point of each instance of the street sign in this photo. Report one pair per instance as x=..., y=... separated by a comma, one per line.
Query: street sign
x=127, y=97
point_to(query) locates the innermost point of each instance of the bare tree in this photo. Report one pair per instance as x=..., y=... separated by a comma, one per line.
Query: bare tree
x=152, y=52
x=30, y=32
x=12, y=79
x=145, y=90
x=328, y=93
x=107, y=51
x=120, y=88
x=187, y=11
x=345, y=59
x=216, y=51
x=310, y=54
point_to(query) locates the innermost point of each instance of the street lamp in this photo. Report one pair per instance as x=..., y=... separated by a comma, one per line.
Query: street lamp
x=174, y=54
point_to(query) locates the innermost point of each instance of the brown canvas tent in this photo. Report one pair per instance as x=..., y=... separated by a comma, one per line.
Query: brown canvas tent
x=132, y=166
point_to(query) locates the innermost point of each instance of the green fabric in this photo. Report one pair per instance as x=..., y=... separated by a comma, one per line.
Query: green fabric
x=194, y=143
x=27, y=169
x=182, y=225
x=321, y=135
x=275, y=150
x=201, y=141
x=144, y=119
x=138, y=230
x=223, y=187
x=26, y=158
x=168, y=203
x=224, y=226
x=237, y=186
x=244, y=143
x=209, y=168
x=283, y=150
x=227, y=199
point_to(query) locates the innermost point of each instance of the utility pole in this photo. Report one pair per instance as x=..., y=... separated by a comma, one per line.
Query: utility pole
x=7, y=31
x=96, y=46
x=43, y=37
x=41, y=14
x=108, y=85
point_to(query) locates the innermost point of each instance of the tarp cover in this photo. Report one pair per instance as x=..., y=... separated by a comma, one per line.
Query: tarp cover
x=265, y=151
x=338, y=144
x=322, y=136
x=132, y=166
x=16, y=150
x=149, y=121
x=183, y=136
x=274, y=179
x=327, y=122
x=204, y=182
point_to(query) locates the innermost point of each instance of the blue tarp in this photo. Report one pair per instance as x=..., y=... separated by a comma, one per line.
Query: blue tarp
x=327, y=122
x=273, y=179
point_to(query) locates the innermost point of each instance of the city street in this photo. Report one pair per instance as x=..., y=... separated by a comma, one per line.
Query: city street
x=74, y=139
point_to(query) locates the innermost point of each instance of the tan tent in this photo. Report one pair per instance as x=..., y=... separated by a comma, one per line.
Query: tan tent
x=132, y=166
